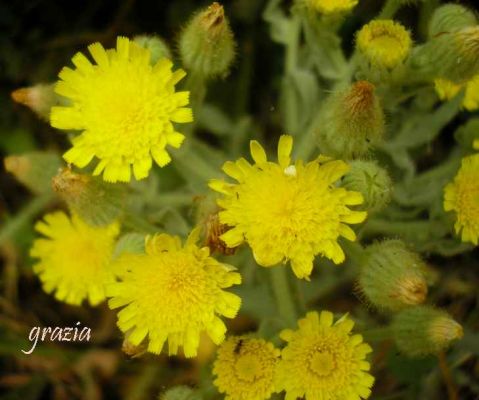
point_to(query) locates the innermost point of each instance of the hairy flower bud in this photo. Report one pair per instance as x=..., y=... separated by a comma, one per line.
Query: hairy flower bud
x=35, y=170
x=449, y=55
x=351, y=122
x=207, y=44
x=422, y=330
x=372, y=181
x=95, y=201
x=180, y=393
x=39, y=98
x=158, y=48
x=449, y=18
x=392, y=277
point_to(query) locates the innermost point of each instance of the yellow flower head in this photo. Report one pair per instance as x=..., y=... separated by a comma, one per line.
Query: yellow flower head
x=74, y=258
x=245, y=368
x=328, y=7
x=475, y=144
x=287, y=211
x=324, y=361
x=173, y=293
x=124, y=107
x=385, y=43
x=446, y=90
x=462, y=197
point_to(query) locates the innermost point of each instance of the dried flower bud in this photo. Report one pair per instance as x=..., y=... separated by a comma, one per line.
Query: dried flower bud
x=158, y=48
x=97, y=202
x=207, y=45
x=372, y=181
x=39, y=98
x=213, y=230
x=392, y=277
x=180, y=393
x=449, y=18
x=351, y=122
x=423, y=330
x=131, y=350
x=35, y=170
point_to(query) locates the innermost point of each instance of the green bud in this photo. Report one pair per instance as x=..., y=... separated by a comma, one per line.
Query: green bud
x=180, y=393
x=449, y=18
x=158, y=48
x=423, y=330
x=372, y=181
x=39, y=98
x=450, y=55
x=392, y=277
x=97, y=202
x=35, y=170
x=207, y=44
x=468, y=134
x=351, y=122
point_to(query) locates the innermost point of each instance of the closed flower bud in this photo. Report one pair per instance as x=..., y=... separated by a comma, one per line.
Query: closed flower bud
x=35, y=170
x=351, y=122
x=372, y=181
x=453, y=56
x=423, y=330
x=180, y=393
x=449, y=18
x=95, y=201
x=158, y=48
x=207, y=44
x=392, y=277
x=39, y=98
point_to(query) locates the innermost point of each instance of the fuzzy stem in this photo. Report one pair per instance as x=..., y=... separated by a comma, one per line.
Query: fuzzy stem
x=390, y=9
x=283, y=295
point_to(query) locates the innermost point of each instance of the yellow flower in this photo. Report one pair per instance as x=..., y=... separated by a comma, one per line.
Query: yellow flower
x=287, y=211
x=328, y=7
x=446, y=90
x=475, y=144
x=124, y=107
x=173, y=293
x=245, y=368
x=75, y=258
x=384, y=43
x=324, y=361
x=462, y=197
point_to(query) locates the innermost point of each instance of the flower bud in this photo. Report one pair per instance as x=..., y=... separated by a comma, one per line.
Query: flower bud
x=207, y=44
x=468, y=134
x=423, y=330
x=392, y=277
x=449, y=18
x=453, y=56
x=95, y=201
x=351, y=122
x=331, y=7
x=372, y=181
x=35, y=170
x=180, y=393
x=158, y=48
x=39, y=98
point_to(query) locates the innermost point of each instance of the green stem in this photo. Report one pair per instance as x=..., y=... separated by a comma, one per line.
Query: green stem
x=390, y=9
x=24, y=216
x=378, y=334
x=283, y=295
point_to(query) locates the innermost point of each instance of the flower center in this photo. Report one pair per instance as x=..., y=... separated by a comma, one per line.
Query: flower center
x=322, y=364
x=248, y=368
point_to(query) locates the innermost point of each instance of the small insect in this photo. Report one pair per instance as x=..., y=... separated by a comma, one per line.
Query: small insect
x=238, y=346
x=214, y=229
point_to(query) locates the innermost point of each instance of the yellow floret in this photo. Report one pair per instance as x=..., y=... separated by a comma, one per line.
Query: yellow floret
x=462, y=197
x=328, y=7
x=173, y=293
x=74, y=258
x=125, y=108
x=323, y=360
x=287, y=211
x=446, y=90
x=245, y=368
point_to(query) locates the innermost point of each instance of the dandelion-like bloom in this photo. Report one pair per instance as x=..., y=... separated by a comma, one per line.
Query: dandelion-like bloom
x=287, y=211
x=173, y=293
x=74, y=258
x=446, y=90
x=328, y=7
x=245, y=368
x=124, y=107
x=324, y=361
x=462, y=197
x=384, y=43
